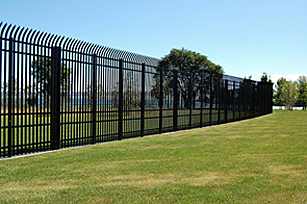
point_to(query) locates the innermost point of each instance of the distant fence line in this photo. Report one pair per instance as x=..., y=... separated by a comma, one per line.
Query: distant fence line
x=60, y=92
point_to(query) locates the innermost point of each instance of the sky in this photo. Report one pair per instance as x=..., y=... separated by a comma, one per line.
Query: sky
x=245, y=37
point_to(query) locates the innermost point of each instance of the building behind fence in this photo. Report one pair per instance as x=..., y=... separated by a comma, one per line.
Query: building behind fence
x=60, y=92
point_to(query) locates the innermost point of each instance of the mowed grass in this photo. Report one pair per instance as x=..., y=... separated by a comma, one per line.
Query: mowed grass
x=262, y=160
x=35, y=128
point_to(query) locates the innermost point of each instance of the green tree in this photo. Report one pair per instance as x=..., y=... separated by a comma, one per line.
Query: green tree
x=41, y=72
x=245, y=91
x=185, y=62
x=302, y=86
x=115, y=95
x=4, y=93
x=289, y=94
x=278, y=101
x=155, y=89
x=17, y=91
x=265, y=78
x=131, y=92
x=99, y=93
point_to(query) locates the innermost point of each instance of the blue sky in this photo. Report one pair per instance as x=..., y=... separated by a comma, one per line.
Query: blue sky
x=246, y=37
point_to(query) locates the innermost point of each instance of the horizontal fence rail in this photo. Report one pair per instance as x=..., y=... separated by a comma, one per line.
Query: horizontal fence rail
x=59, y=92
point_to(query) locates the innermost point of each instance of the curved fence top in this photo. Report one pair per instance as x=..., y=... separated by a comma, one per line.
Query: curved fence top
x=40, y=38
x=232, y=78
x=26, y=35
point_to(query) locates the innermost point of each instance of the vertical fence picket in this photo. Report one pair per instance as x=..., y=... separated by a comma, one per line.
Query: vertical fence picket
x=211, y=100
x=11, y=97
x=226, y=101
x=233, y=101
x=240, y=101
x=55, y=97
x=94, y=97
x=190, y=99
x=161, y=102
x=219, y=97
x=254, y=99
x=262, y=98
x=143, y=100
x=121, y=99
x=2, y=117
x=201, y=99
x=271, y=99
x=175, y=105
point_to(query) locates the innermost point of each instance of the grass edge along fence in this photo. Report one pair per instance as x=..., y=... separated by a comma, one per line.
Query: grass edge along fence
x=60, y=92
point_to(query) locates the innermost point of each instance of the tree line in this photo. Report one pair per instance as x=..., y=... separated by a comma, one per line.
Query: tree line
x=182, y=60
x=289, y=93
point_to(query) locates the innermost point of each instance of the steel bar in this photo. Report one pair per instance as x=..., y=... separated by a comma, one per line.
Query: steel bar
x=55, y=97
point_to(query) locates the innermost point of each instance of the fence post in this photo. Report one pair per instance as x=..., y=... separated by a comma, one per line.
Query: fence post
x=11, y=96
x=143, y=100
x=201, y=99
x=246, y=99
x=211, y=101
x=219, y=110
x=240, y=99
x=254, y=98
x=94, y=97
x=259, y=98
x=243, y=95
x=161, y=102
x=226, y=100
x=55, y=97
x=175, y=105
x=271, y=98
x=233, y=101
x=121, y=99
x=263, y=98
x=251, y=100
x=190, y=99
x=267, y=98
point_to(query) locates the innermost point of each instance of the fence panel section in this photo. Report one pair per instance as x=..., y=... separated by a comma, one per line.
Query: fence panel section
x=169, y=111
x=152, y=100
x=107, y=99
x=132, y=82
x=75, y=98
x=25, y=62
x=57, y=92
x=196, y=100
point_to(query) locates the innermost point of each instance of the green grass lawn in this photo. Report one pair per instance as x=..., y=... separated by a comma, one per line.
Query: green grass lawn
x=35, y=128
x=262, y=160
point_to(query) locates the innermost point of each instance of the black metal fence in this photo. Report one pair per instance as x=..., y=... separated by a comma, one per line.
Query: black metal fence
x=59, y=92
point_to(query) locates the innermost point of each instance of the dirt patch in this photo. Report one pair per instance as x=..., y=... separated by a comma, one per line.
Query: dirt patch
x=208, y=178
x=294, y=170
x=140, y=181
x=153, y=147
x=234, y=137
x=39, y=185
